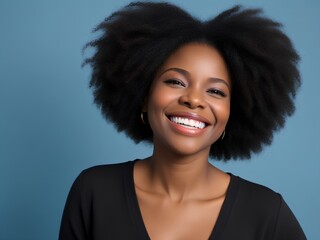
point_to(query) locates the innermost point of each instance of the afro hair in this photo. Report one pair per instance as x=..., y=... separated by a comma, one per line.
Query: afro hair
x=137, y=39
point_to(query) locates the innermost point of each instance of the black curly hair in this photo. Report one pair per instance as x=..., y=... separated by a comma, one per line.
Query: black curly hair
x=261, y=60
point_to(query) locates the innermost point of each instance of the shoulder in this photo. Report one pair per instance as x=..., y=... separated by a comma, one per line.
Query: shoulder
x=254, y=211
x=107, y=177
x=257, y=204
x=265, y=209
x=97, y=199
x=106, y=170
x=257, y=192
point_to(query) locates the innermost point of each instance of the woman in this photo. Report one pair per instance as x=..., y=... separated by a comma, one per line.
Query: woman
x=217, y=89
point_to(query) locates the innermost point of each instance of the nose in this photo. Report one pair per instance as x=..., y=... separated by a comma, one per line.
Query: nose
x=192, y=98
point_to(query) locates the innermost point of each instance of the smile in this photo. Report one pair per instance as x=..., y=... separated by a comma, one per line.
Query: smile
x=189, y=123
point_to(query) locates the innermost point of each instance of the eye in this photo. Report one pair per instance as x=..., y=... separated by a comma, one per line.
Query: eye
x=214, y=91
x=175, y=82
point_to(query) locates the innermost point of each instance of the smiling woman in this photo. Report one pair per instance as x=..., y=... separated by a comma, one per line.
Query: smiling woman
x=202, y=90
x=191, y=88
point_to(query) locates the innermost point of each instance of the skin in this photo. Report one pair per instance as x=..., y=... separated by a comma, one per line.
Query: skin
x=180, y=193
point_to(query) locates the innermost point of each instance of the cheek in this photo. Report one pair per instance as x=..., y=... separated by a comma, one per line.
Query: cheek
x=155, y=105
x=158, y=105
x=226, y=111
x=222, y=111
x=160, y=99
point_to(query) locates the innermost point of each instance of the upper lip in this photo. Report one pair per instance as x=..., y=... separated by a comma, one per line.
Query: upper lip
x=189, y=115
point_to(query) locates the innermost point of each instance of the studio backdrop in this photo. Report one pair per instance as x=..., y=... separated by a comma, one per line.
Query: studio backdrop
x=50, y=129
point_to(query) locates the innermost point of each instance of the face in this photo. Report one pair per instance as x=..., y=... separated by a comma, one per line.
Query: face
x=189, y=100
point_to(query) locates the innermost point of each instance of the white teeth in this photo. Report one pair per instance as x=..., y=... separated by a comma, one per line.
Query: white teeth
x=188, y=122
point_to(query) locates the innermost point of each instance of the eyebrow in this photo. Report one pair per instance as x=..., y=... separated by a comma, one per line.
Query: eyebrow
x=187, y=74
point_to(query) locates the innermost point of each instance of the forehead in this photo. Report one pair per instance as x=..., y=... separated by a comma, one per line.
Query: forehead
x=198, y=59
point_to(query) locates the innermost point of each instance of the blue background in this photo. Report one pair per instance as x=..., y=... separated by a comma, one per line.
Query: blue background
x=50, y=130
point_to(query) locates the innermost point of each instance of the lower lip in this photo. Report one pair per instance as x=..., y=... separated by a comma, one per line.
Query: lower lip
x=191, y=132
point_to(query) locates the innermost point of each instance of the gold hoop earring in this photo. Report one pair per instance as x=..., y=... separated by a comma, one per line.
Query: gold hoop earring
x=142, y=118
x=223, y=134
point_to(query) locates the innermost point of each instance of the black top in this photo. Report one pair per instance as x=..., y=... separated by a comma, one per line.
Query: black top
x=102, y=204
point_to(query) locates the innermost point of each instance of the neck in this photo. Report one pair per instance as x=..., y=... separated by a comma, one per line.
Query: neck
x=179, y=177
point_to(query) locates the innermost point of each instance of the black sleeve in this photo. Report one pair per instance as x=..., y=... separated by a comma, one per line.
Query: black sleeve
x=287, y=226
x=75, y=222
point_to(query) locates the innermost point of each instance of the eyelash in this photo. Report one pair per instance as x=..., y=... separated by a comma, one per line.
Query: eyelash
x=216, y=92
x=180, y=83
x=175, y=82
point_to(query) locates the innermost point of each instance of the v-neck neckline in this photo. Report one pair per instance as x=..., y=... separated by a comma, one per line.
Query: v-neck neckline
x=136, y=215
